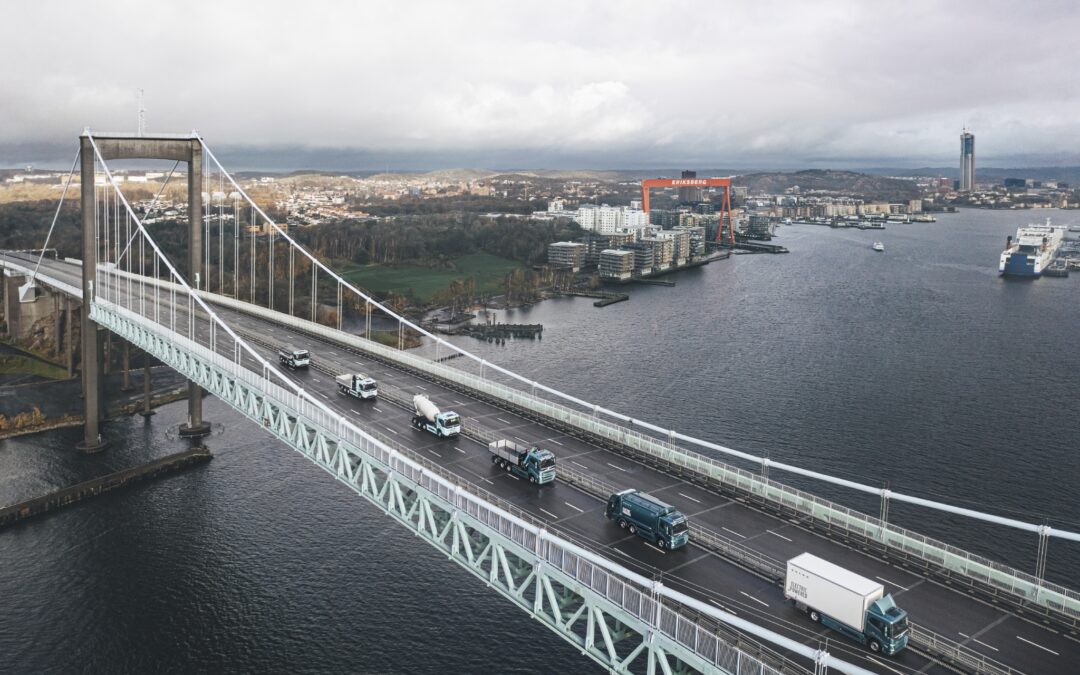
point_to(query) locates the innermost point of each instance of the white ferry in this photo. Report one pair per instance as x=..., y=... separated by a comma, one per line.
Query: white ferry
x=1032, y=250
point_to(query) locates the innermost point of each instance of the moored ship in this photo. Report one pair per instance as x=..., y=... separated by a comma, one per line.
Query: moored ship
x=1032, y=250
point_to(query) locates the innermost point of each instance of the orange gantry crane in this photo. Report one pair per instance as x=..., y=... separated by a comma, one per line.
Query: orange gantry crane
x=725, y=206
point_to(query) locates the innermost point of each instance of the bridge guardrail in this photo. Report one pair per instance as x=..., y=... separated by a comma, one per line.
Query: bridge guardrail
x=1026, y=588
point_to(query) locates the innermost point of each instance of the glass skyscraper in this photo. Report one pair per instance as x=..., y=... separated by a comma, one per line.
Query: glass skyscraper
x=967, y=161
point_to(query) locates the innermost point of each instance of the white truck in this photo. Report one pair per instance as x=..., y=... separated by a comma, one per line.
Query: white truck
x=430, y=419
x=358, y=385
x=294, y=358
x=847, y=603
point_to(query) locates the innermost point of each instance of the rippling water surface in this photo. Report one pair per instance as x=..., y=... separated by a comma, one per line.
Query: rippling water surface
x=918, y=367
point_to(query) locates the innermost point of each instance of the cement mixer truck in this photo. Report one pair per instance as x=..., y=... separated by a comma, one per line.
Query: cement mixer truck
x=428, y=418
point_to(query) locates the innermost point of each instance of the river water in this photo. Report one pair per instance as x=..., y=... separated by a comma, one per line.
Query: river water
x=918, y=367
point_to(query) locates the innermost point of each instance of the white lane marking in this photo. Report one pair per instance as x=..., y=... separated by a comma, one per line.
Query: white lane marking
x=964, y=635
x=726, y=609
x=754, y=599
x=616, y=467
x=434, y=453
x=696, y=501
x=884, y=665
x=459, y=450
x=503, y=421
x=1034, y=644
x=458, y=403
x=510, y=475
x=777, y=535
x=324, y=396
x=579, y=464
x=419, y=387
x=549, y=513
x=733, y=532
x=376, y=409
x=390, y=430
x=655, y=548
x=334, y=353
x=985, y=645
x=521, y=439
x=315, y=380
x=554, y=441
x=891, y=583
x=574, y=507
x=619, y=550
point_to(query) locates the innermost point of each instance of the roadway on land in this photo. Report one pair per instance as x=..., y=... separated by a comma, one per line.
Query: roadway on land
x=989, y=630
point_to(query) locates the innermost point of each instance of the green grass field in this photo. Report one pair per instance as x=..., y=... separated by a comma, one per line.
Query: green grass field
x=488, y=270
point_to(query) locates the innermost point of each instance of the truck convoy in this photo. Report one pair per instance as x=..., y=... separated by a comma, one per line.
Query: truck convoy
x=649, y=518
x=428, y=418
x=358, y=385
x=537, y=465
x=847, y=603
x=294, y=358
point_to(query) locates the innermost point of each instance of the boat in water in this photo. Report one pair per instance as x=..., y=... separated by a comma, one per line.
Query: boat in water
x=878, y=246
x=1032, y=250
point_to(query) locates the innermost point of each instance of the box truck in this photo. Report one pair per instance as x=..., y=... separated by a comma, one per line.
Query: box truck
x=532, y=463
x=649, y=518
x=847, y=603
x=430, y=419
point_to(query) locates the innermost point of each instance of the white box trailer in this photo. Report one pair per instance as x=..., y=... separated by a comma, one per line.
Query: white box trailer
x=831, y=590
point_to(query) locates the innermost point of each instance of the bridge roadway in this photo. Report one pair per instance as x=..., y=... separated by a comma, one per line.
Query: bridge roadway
x=1000, y=635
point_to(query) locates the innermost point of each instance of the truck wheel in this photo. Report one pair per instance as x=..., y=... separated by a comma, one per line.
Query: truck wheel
x=814, y=616
x=532, y=479
x=875, y=646
x=622, y=523
x=494, y=459
x=632, y=528
x=661, y=544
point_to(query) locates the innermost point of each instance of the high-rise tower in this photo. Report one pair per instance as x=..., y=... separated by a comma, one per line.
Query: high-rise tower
x=967, y=161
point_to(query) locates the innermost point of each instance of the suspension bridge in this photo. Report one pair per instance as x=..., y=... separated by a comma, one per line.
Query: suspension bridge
x=218, y=316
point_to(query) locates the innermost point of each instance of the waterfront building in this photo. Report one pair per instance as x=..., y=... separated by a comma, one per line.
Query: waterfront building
x=680, y=245
x=643, y=255
x=697, y=239
x=967, y=161
x=616, y=264
x=567, y=255
x=610, y=219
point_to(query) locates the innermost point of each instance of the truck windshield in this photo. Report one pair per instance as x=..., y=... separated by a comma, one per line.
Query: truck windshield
x=679, y=528
x=898, y=629
x=368, y=387
x=547, y=462
x=451, y=420
x=300, y=355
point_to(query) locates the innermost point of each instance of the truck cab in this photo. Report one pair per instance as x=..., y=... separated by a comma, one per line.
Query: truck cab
x=888, y=624
x=357, y=384
x=649, y=518
x=294, y=358
x=448, y=424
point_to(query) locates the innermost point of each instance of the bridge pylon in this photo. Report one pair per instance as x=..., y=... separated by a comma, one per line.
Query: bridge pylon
x=186, y=149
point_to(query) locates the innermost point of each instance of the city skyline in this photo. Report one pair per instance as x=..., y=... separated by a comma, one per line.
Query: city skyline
x=773, y=85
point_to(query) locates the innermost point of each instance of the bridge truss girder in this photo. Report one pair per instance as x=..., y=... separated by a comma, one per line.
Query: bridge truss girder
x=587, y=617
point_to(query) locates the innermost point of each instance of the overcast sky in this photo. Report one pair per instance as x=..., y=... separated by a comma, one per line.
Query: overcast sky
x=410, y=84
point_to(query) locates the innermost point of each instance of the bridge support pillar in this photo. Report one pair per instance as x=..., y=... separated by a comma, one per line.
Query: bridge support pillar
x=125, y=367
x=146, y=411
x=68, y=346
x=58, y=325
x=196, y=427
x=91, y=341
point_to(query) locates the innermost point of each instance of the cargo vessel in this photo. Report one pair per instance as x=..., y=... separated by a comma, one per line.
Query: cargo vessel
x=1032, y=250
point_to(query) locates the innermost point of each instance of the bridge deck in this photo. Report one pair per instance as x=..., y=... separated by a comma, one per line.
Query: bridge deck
x=1025, y=645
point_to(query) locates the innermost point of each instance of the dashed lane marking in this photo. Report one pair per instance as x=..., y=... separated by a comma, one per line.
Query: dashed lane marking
x=892, y=583
x=737, y=534
x=391, y=431
x=777, y=535
x=434, y=453
x=460, y=450
x=376, y=409
x=503, y=421
x=616, y=467
x=696, y=501
x=754, y=599
x=579, y=464
x=1035, y=644
x=549, y=513
x=419, y=387
x=574, y=507
x=726, y=609
x=521, y=439
x=554, y=441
